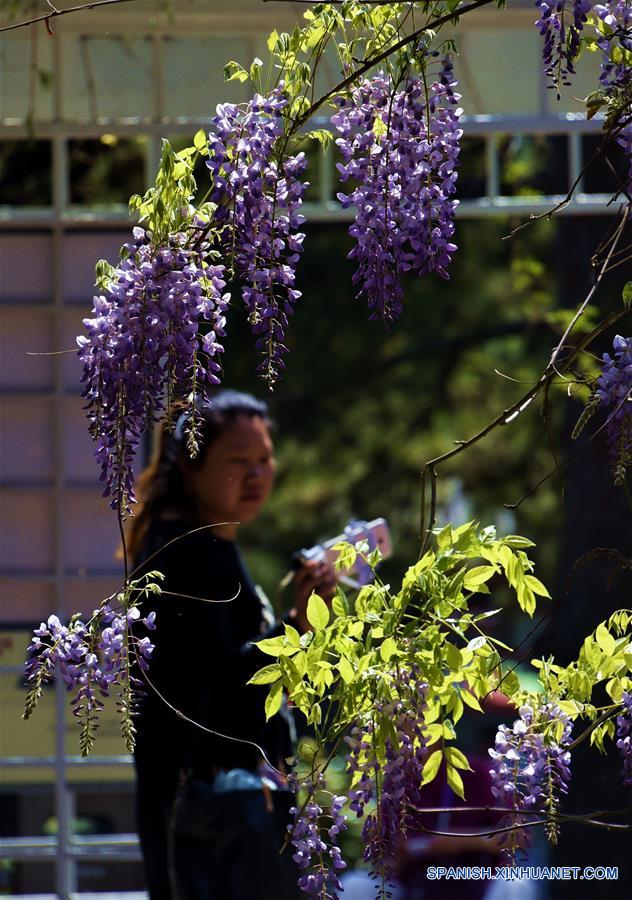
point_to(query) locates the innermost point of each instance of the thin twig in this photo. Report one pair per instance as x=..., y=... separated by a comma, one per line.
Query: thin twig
x=199, y=725
x=60, y=12
x=549, y=373
x=178, y=538
x=615, y=240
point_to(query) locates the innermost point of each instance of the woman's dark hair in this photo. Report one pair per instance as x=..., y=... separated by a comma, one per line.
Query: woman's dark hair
x=161, y=486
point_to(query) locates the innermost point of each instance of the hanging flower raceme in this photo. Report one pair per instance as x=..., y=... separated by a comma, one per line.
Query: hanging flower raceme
x=561, y=23
x=616, y=71
x=531, y=768
x=154, y=337
x=402, y=146
x=614, y=393
x=314, y=836
x=616, y=16
x=399, y=790
x=624, y=737
x=94, y=659
x=395, y=783
x=259, y=191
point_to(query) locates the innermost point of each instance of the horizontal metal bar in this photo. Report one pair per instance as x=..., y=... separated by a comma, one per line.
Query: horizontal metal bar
x=14, y=762
x=103, y=895
x=114, y=847
x=16, y=129
x=597, y=204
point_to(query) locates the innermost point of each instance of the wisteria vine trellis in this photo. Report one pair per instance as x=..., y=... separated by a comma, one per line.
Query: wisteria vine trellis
x=387, y=672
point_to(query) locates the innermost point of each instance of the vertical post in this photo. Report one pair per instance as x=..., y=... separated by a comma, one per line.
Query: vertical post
x=575, y=160
x=66, y=870
x=326, y=170
x=152, y=159
x=492, y=169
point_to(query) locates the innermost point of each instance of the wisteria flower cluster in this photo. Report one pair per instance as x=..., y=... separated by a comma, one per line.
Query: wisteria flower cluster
x=561, y=29
x=94, y=658
x=153, y=337
x=616, y=70
x=531, y=767
x=617, y=17
x=624, y=737
x=258, y=190
x=318, y=859
x=401, y=779
x=395, y=784
x=614, y=392
x=402, y=146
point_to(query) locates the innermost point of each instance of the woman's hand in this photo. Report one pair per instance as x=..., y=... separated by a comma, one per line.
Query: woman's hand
x=312, y=578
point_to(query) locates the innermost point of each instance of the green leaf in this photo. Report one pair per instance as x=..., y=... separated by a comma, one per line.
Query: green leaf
x=453, y=656
x=627, y=295
x=267, y=675
x=340, y=605
x=346, y=670
x=526, y=597
x=233, y=71
x=322, y=135
x=273, y=700
x=199, y=139
x=470, y=700
x=477, y=575
x=536, y=586
x=317, y=612
x=605, y=639
x=388, y=649
x=271, y=646
x=476, y=643
x=347, y=555
x=431, y=767
x=273, y=37
x=292, y=635
x=457, y=759
x=614, y=689
x=455, y=782
x=517, y=542
x=254, y=68
x=433, y=733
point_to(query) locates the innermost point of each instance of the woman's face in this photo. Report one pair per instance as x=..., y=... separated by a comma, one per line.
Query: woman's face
x=235, y=477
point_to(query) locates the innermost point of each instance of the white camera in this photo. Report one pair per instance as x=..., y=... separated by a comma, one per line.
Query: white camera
x=377, y=536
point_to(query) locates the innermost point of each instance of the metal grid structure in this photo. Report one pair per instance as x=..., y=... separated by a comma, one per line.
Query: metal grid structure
x=61, y=220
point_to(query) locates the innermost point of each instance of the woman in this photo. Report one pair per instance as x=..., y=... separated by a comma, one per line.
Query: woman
x=207, y=617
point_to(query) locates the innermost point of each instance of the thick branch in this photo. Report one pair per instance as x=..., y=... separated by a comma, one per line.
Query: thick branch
x=382, y=55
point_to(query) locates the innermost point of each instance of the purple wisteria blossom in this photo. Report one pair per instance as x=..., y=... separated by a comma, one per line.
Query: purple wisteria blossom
x=361, y=758
x=402, y=146
x=614, y=392
x=259, y=191
x=531, y=768
x=624, y=737
x=319, y=860
x=153, y=338
x=92, y=658
x=399, y=790
x=395, y=784
x=617, y=17
x=616, y=72
x=561, y=27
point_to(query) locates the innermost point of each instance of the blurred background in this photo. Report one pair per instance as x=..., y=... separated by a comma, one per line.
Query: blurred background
x=360, y=409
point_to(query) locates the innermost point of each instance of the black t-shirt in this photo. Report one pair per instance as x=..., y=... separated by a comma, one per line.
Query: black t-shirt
x=204, y=655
